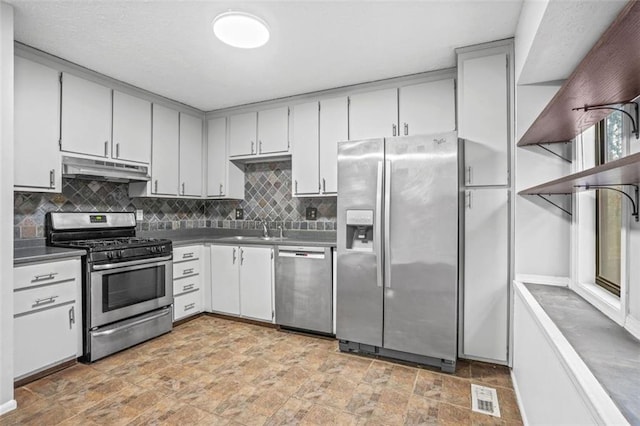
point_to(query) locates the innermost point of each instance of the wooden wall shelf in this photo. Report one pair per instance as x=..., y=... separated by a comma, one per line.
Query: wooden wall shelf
x=625, y=171
x=609, y=74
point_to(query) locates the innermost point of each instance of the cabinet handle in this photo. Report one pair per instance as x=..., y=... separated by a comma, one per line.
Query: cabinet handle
x=233, y=259
x=189, y=306
x=241, y=257
x=324, y=185
x=295, y=190
x=117, y=150
x=406, y=129
x=44, y=277
x=182, y=188
x=52, y=178
x=469, y=200
x=468, y=175
x=155, y=184
x=72, y=317
x=187, y=271
x=260, y=147
x=187, y=255
x=45, y=301
x=106, y=148
x=188, y=287
x=252, y=143
x=220, y=189
x=395, y=129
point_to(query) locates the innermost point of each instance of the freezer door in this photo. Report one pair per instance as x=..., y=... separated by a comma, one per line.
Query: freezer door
x=421, y=245
x=359, y=273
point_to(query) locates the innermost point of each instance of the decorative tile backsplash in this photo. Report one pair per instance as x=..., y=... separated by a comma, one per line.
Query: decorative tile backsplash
x=267, y=197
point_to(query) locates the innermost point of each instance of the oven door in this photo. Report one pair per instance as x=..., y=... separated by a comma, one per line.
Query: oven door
x=122, y=290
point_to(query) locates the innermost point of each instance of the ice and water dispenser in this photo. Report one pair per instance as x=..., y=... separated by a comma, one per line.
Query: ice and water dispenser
x=360, y=230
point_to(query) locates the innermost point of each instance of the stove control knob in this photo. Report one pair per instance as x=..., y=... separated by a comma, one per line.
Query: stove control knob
x=120, y=253
x=109, y=255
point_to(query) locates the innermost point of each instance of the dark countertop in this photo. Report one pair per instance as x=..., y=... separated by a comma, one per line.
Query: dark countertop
x=611, y=352
x=42, y=253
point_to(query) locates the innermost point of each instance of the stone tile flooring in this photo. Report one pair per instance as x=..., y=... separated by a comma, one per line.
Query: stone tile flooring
x=214, y=371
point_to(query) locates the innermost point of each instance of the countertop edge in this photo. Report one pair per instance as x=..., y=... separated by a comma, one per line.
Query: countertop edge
x=25, y=256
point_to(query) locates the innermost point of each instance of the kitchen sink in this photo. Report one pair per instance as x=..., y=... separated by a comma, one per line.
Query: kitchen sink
x=251, y=238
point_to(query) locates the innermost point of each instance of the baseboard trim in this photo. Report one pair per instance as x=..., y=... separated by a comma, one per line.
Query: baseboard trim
x=543, y=279
x=241, y=319
x=523, y=413
x=8, y=406
x=632, y=325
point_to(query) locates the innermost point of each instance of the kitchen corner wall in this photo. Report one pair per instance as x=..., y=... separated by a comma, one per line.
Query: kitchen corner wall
x=267, y=197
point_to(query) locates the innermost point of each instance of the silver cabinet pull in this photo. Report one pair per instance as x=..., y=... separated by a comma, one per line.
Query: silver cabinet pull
x=468, y=194
x=259, y=147
x=52, y=178
x=45, y=301
x=295, y=190
x=241, y=257
x=187, y=255
x=233, y=258
x=188, y=287
x=406, y=129
x=190, y=306
x=395, y=129
x=72, y=317
x=155, y=184
x=220, y=189
x=187, y=271
x=182, y=188
x=252, y=143
x=106, y=148
x=324, y=185
x=469, y=175
x=117, y=150
x=44, y=277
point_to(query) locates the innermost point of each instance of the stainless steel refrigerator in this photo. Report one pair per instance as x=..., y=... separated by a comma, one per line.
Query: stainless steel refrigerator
x=397, y=244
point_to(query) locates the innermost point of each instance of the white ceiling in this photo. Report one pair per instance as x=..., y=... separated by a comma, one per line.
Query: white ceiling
x=168, y=47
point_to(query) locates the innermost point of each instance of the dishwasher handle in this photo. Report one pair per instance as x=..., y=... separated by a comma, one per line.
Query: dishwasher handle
x=302, y=252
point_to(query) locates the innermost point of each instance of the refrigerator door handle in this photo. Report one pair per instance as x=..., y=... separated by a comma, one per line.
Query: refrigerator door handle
x=378, y=225
x=387, y=221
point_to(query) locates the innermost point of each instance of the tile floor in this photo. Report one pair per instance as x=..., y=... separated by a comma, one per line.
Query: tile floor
x=214, y=371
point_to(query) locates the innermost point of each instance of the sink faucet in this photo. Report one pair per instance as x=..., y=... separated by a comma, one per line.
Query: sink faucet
x=265, y=231
x=280, y=229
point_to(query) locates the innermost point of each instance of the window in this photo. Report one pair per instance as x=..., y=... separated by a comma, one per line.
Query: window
x=609, y=145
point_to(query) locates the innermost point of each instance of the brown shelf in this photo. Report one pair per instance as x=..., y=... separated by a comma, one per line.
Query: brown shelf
x=625, y=171
x=609, y=74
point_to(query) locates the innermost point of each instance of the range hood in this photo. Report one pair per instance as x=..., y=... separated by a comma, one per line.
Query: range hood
x=83, y=168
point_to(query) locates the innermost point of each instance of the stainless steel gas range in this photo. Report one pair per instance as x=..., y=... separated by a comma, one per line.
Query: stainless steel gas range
x=127, y=284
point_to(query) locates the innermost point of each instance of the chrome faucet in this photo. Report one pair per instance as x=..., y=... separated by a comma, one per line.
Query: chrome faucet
x=280, y=229
x=265, y=231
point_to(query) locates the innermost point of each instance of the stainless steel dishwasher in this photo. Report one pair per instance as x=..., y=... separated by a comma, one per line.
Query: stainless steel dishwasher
x=304, y=288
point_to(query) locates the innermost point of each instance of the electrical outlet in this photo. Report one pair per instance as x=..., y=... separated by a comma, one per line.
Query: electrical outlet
x=312, y=213
x=139, y=215
x=239, y=214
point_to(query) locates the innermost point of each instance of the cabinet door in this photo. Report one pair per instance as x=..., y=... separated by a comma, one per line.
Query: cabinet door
x=373, y=114
x=225, y=284
x=164, y=159
x=45, y=338
x=86, y=117
x=255, y=283
x=304, y=159
x=131, y=128
x=427, y=108
x=334, y=127
x=483, y=119
x=190, y=155
x=216, y=156
x=273, y=130
x=37, y=127
x=486, y=283
x=242, y=134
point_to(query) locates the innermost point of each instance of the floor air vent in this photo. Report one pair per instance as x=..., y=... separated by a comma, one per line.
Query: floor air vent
x=484, y=400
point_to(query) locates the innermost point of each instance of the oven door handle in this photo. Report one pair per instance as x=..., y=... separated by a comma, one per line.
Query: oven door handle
x=150, y=261
x=161, y=314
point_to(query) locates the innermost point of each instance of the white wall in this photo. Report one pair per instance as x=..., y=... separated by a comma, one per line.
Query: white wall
x=6, y=208
x=530, y=18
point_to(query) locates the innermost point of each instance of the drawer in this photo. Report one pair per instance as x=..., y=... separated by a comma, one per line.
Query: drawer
x=186, y=253
x=186, y=284
x=45, y=296
x=46, y=273
x=187, y=304
x=185, y=269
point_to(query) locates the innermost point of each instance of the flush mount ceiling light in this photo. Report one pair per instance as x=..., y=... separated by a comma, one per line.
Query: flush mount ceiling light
x=240, y=29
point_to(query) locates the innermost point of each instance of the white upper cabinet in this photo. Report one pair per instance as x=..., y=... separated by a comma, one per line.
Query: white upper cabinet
x=190, y=155
x=427, y=108
x=86, y=117
x=373, y=114
x=131, y=128
x=224, y=179
x=242, y=134
x=164, y=161
x=37, y=127
x=483, y=99
x=305, y=164
x=334, y=127
x=273, y=130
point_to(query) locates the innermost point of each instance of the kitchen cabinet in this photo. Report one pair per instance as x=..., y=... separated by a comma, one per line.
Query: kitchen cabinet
x=373, y=114
x=36, y=127
x=242, y=134
x=190, y=155
x=427, y=108
x=483, y=116
x=131, y=128
x=305, y=158
x=187, y=281
x=224, y=179
x=47, y=315
x=486, y=274
x=85, y=117
x=242, y=281
x=334, y=127
x=164, y=159
x=273, y=130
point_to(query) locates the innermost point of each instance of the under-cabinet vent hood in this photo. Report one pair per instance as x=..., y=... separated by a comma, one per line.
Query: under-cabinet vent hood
x=83, y=168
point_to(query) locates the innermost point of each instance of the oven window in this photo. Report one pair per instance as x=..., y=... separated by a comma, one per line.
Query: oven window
x=122, y=289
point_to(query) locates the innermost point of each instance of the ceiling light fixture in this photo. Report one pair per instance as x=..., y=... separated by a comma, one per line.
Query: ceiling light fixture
x=240, y=29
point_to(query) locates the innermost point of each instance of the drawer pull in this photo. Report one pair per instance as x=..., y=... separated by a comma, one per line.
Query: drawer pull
x=72, y=317
x=45, y=301
x=189, y=306
x=187, y=271
x=188, y=287
x=187, y=255
x=45, y=277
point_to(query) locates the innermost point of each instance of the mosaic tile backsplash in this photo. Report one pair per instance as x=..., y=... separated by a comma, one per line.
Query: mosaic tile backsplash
x=267, y=197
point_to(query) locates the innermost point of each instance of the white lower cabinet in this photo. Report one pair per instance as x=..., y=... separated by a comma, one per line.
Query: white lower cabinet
x=241, y=281
x=187, y=282
x=47, y=315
